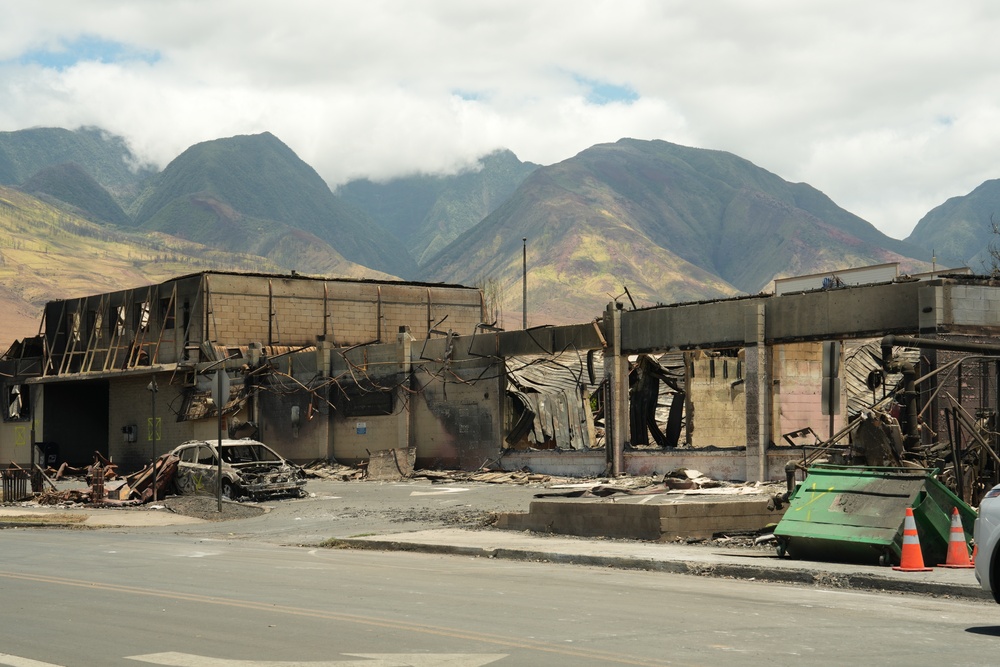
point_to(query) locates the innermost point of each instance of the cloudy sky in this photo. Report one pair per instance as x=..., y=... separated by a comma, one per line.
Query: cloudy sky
x=888, y=107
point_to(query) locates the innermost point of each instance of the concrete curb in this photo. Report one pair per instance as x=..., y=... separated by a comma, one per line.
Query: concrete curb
x=787, y=575
x=13, y=525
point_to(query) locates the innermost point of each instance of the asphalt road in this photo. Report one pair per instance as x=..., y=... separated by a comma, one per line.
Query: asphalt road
x=133, y=598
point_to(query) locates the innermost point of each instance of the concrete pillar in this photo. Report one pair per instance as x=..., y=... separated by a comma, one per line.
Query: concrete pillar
x=404, y=415
x=930, y=301
x=758, y=393
x=324, y=368
x=616, y=371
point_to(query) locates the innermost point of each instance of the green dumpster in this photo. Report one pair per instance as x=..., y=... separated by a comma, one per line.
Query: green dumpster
x=855, y=514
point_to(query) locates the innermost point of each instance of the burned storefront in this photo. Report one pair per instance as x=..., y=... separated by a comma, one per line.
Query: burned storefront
x=346, y=370
x=130, y=374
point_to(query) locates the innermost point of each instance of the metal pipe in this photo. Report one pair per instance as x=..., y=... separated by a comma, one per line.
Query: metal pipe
x=910, y=395
x=933, y=344
x=956, y=458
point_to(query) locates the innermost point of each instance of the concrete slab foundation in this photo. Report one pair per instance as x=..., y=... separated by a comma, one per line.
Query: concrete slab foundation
x=661, y=517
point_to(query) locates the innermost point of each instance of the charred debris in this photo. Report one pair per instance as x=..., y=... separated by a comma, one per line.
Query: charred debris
x=920, y=419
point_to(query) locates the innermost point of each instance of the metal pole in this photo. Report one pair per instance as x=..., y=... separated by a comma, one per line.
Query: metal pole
x=956, y=457
x=524, y=281
x=31, y=405
x=996, y=419
x=152, y=430
x=833, y=382
x=218, y=453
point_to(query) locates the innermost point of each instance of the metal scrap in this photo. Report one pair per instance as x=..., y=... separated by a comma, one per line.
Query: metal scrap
x=134, y=489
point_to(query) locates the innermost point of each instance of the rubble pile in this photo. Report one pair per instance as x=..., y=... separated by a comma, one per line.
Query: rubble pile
x=963, y=460
x=679, y=481
x=86, y=472
x=67, y=497
x=338, y=472
x=324, y=469
x=484, y=476
x=104, y=484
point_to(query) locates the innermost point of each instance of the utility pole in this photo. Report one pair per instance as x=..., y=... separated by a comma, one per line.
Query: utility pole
x=524, y=281
x=221, y=403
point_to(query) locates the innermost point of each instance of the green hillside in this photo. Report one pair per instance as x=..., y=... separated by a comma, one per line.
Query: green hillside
x=105, y=157
x=48, y=254
x=428, y=212
x=960, y=231
x=669, y=222
x=70, y=186
x=706, y=205
x=244, y=193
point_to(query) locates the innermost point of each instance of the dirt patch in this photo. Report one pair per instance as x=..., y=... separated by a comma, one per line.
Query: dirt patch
x=207, y=508
x=456, y=518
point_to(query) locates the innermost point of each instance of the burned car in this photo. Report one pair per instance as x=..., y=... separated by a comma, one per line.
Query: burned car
x=249, y=468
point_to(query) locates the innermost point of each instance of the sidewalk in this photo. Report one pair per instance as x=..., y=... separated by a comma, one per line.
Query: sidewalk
x=736, y=563
x=675, y=558
x=91, y=517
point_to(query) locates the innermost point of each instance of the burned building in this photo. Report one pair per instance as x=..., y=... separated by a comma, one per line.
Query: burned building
x=103, y=364
x=340, y=369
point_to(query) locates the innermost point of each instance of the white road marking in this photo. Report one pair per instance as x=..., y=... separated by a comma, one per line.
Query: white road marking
x=439, y=492
x=172, y=659
x=200, y=554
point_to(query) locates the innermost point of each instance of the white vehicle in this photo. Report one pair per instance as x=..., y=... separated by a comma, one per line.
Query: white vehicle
x=249, y=468
x=987, y=534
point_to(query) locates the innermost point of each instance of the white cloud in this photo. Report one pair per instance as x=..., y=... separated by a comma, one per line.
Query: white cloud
x=888, y=107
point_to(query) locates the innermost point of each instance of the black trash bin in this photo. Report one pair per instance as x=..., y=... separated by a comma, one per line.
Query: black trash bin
x=50, y=454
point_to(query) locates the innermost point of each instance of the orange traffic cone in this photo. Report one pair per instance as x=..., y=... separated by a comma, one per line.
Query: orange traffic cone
x=975, y=552
x=912, y=560
x=958, y=549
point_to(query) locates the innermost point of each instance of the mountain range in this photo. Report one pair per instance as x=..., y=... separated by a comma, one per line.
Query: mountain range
x=665, y=222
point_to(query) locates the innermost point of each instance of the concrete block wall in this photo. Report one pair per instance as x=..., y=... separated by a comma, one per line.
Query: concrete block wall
x=304, y=443
x=129, y=404
x=404, y=305
x=972, y=306
x=718, y=403
x=353, y=313
x=240, y=310
x=354, y=436
x=457, y=424
x=798, y=374
x=357, y=312
x=15, y=443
